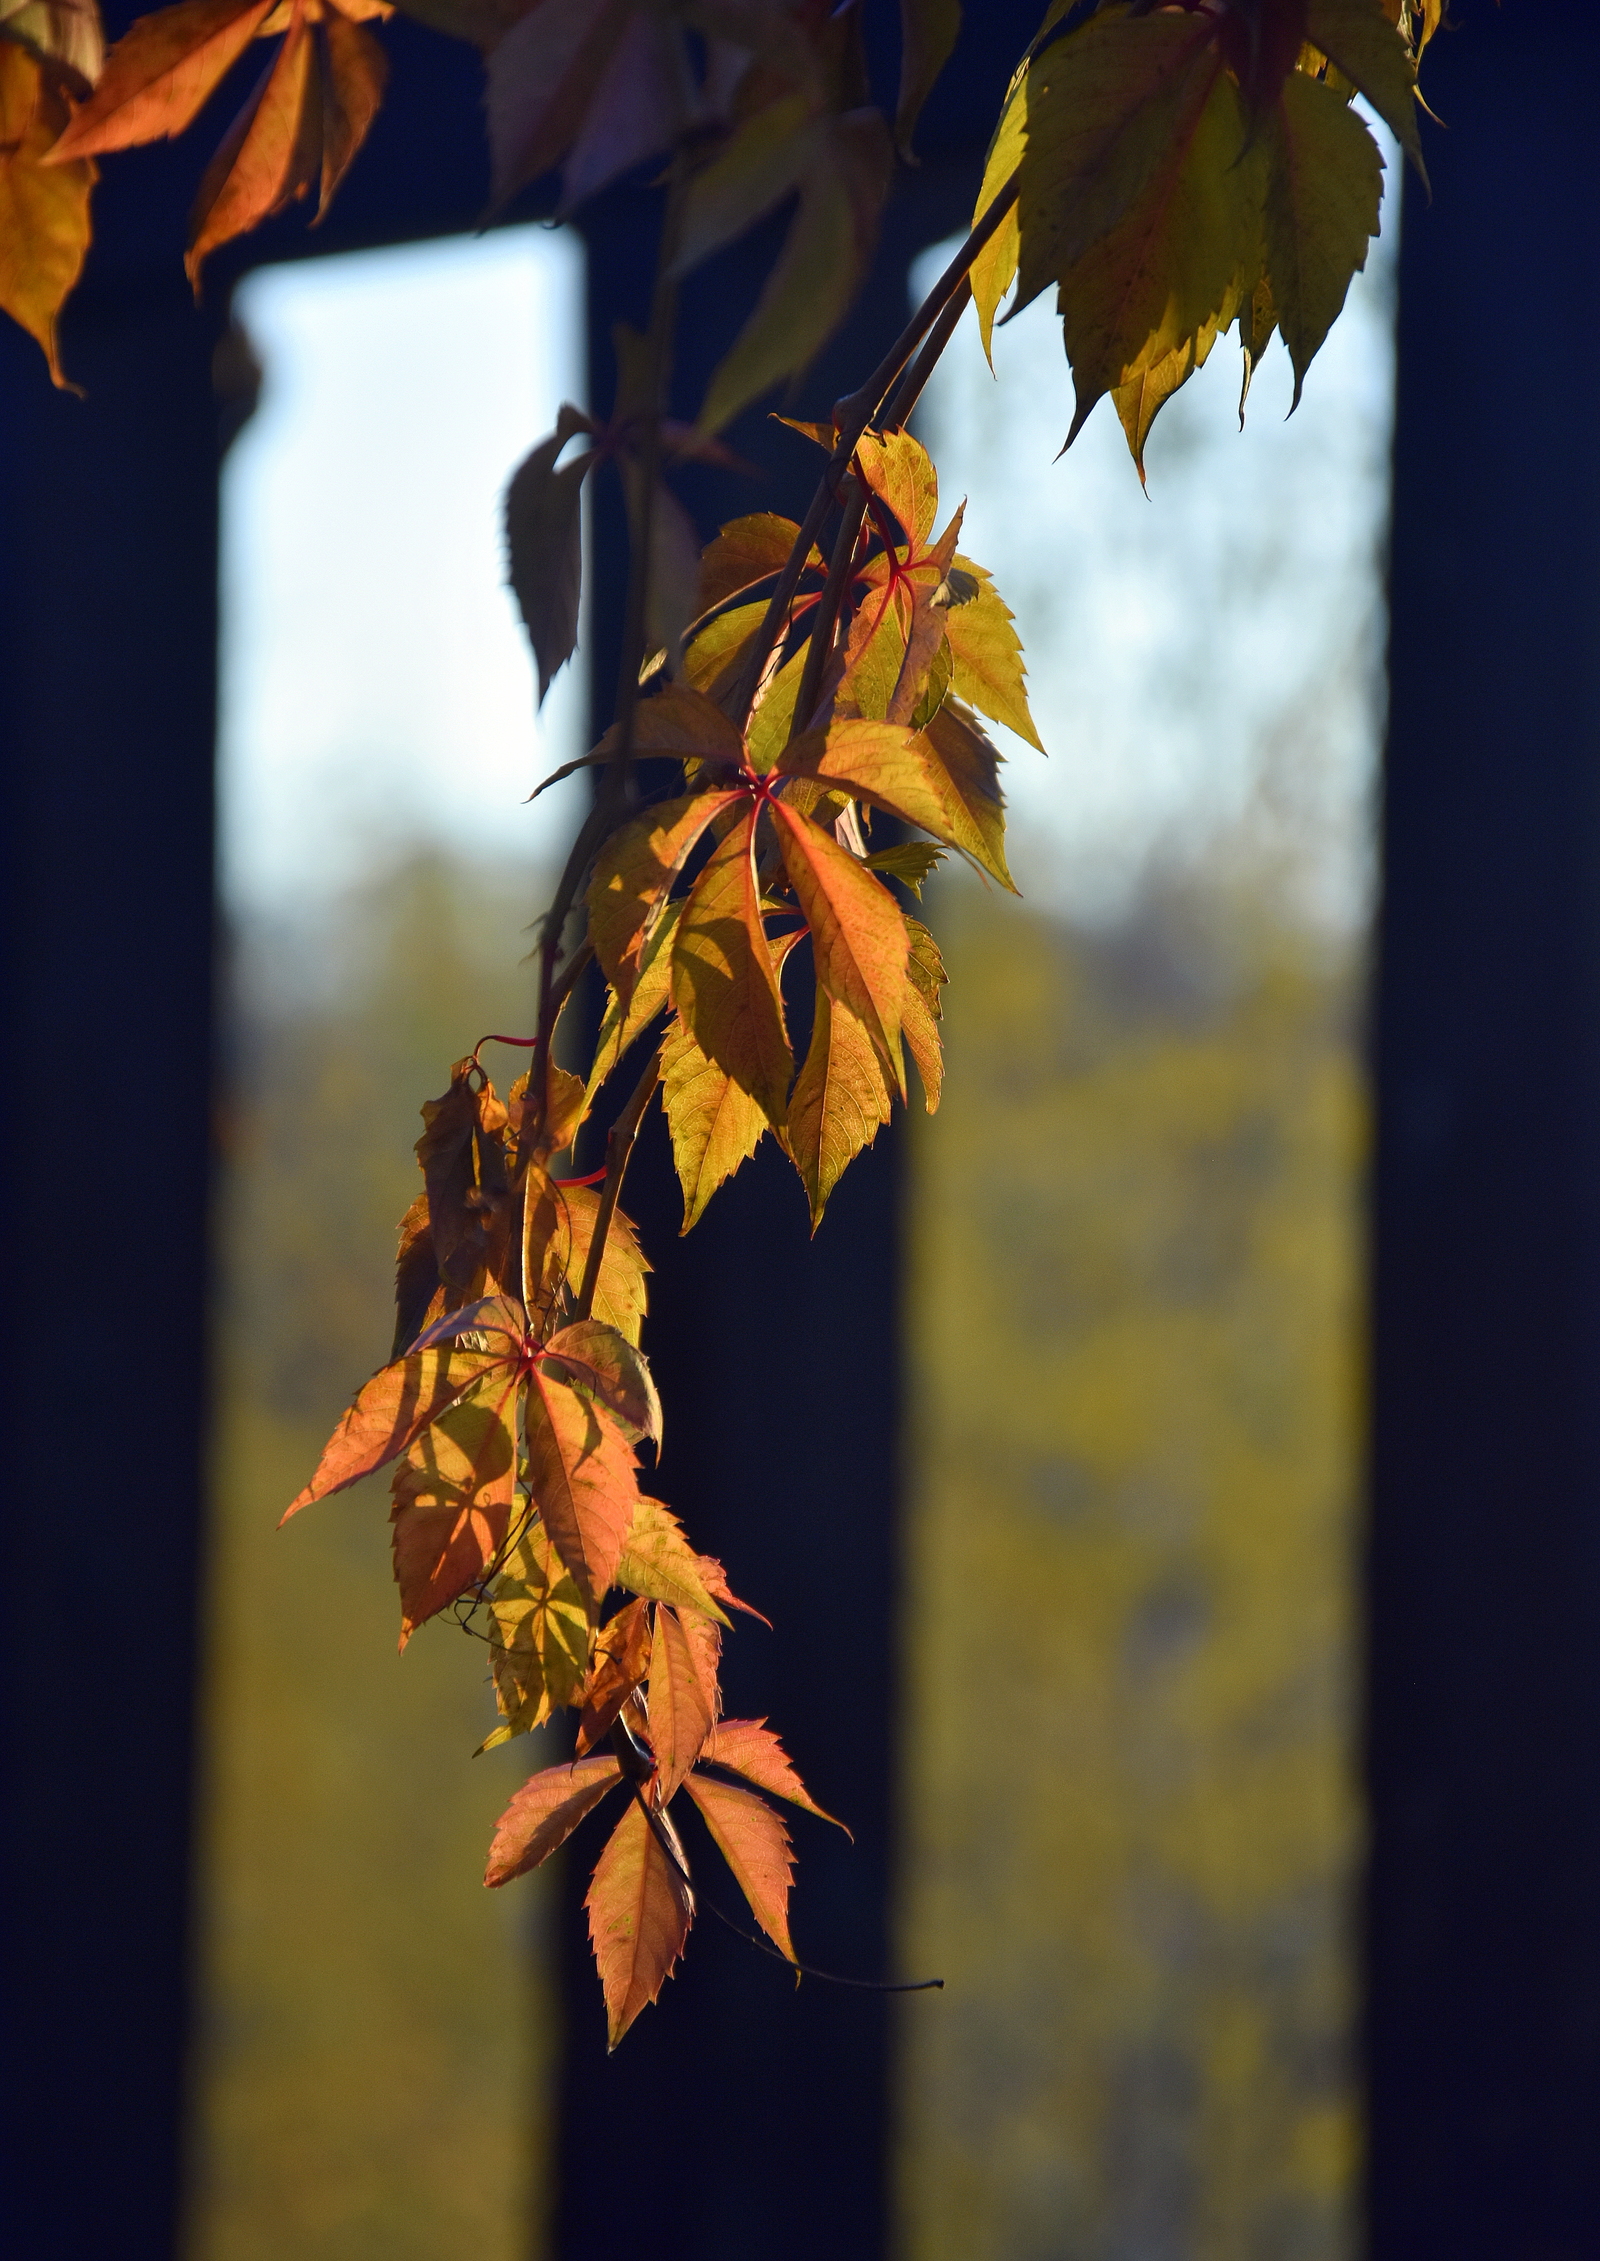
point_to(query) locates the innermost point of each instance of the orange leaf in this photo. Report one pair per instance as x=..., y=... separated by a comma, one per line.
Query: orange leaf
x=160, y=73
x=353, y=69
x=680, y=1716
x=621, y=1661
x=749, y=1747
x=452, y=1503
x=581, y=1475
x=858, y=936
x=723, y=979
x=704, y=1637
x=900, y=472
x=839, y=1102
x=270, y=155
x=755, y=1845
x=632, y=874
x=640, y=1909
x=607, y=1365
x=544, y=1813
x=910, y=774
x=44, y=208
x=746, y=551
x=387, y=1412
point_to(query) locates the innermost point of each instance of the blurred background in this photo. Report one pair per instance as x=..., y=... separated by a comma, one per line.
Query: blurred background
x=1133, y=1306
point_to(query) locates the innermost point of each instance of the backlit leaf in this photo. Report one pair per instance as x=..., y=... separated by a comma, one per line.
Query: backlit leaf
x=825, y=255
x=540, y=1635
x=387, y=1412
x=724, y=982
x=839, y=1103
x=971, y=765
x=160, y=72
x=1324, y=191
x=680, y=1716
x=714, y=1123
x=749, y=1747
x=986, y=655
x=270, y=156
x=44, y=207
x=621, y=1664
x=858, y=936
x=606, y=1364
x=622, y=1026
x=452, y=1502
x=923, y=1010
x=619, y=1297
x=544, y=1813
x=65, y=34
x=995, y=269
x=714, y=659
x=746, y=551
x=353, y=70
x=900, y=472
x=659, y=1563
x=632, y=874
x=913, y=862
x=1361, y=39
x=755, y=1845
x=581, y=1476
x=640, y=1909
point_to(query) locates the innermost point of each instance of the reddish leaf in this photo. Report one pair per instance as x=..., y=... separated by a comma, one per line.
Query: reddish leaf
x=621, y=1662
x=723, y=979
x=354, y=70
x=858, y=936
x=544, y=1813
x=581, y=1475
x=270, y=155
x=416, y=1276
x=387, y=1412
x=755, y=1845
x=452, y=1503
x=640, y=1909
x=704, y=1638
x=160, y=72
x=749, y=1747
x=680, y=1715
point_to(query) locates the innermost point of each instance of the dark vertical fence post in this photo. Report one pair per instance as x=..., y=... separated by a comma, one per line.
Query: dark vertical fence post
x=1484, y=1732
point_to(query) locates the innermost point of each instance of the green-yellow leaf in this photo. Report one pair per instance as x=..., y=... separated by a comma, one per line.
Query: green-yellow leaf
x=540, y=1639
x=1325, y=190
x=986, y=655
x=1361, y=38
x=714, y=1124
x=659, y=1564
x=923, y=1011
x=622, y=1026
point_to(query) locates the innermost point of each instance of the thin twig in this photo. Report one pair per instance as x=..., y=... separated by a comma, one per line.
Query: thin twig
x=820, y=649
x=619, y=1146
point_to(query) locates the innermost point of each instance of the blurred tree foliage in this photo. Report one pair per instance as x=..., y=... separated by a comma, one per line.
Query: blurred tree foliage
x=1133, y=1313
x=370, y=2049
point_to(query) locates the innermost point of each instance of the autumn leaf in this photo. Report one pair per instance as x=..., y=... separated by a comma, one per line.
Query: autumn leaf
x=839, y=1102
x=724, y=982
x=970, y=763
x=748, y=1747
x=912, y=862
x=755, y=1845
x=912, y=775
x=596, y=85
x=544, y=543
x=658, y=1563
x=416, y=1276
x=858, y=936
x=621, y=1664
x=452, y=1501
x=65, y=35
x=922, y=1011
x=602, y=1361
x=640, y=1909
x=622, y=1026
x=1325, y=187
x=581, y=1477
x=825, y=255
x=995, y=269
x=714, y=1123
x=762, y=162
x=1361, y=39
x=544, y=1813
x=44, y=205
x=680, y=1716
x=899, y=471
x=619, y=1297
x=986, y=654
x=462, y=1157
x=161, y=72
x=270, y=155
x=632, y=873
x=388, y=1412
x=539, y=1647
x=747, y=550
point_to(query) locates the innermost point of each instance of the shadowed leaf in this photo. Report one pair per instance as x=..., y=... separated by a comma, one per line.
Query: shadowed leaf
x=928, y=30
x=452, y=1502
x=539, y=1651
x=1325, y=186
x=605, y=1363
x=621, y=1663
x=544, y=544
x=632, y=874
x=387, y=1412
x=922, y=1009
x=44, y=207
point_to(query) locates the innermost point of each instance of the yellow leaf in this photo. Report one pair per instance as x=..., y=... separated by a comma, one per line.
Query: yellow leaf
x=1361, y=38
x=619, y=1297
x=619, y=1027
x=923, y=1011
x=858, y=936
x=714, y=1124
x=724, y=982
x=899, y=471
x=539, y=1646
x=995, y=269
x=986, y=655
x=659, y=1564
x=839, y=1103
x=44, y=209
x=632, y=873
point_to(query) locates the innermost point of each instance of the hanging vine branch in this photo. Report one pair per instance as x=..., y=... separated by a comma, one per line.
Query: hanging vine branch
x=1173, y=172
